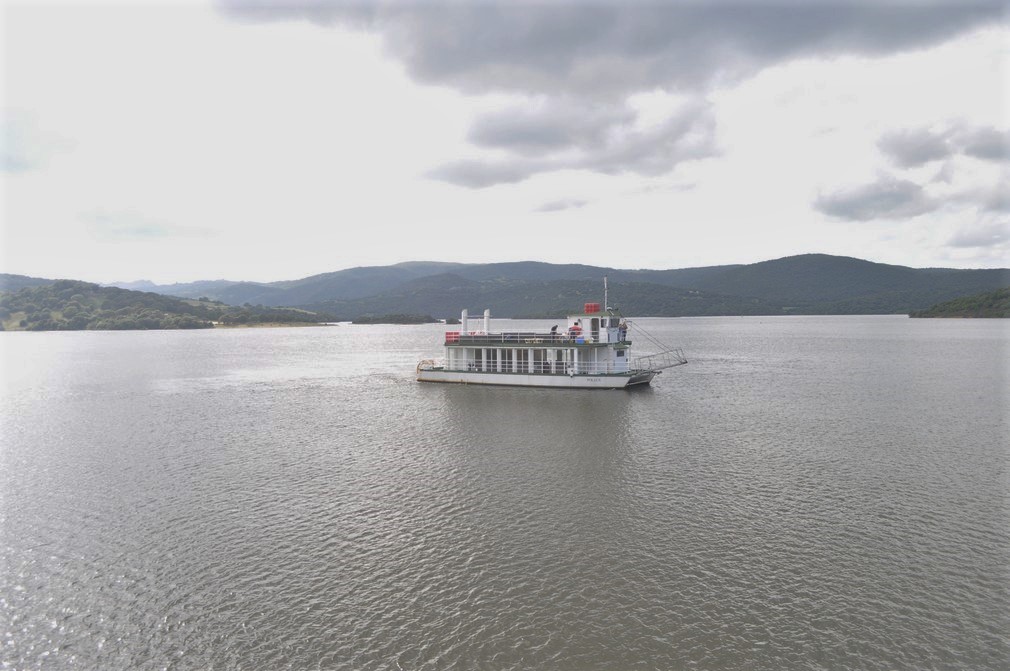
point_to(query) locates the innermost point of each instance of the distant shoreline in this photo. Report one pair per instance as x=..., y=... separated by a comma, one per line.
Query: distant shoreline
x=270, y=325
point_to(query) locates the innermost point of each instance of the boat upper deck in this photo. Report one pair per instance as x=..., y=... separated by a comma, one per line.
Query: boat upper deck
x=591, y=328
x=532, y=338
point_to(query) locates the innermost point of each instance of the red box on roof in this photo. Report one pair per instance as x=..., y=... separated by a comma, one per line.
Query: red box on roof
x=592, y=308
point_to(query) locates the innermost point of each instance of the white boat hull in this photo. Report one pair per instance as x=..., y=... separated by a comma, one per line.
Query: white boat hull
x=619, y=381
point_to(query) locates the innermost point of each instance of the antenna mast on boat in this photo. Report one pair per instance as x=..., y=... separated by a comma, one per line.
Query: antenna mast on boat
x=606, y=304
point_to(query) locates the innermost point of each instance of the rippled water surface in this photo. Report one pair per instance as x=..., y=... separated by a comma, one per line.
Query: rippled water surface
x=809, y=492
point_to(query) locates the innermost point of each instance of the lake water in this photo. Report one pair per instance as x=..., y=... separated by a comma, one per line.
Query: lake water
x=807, y=493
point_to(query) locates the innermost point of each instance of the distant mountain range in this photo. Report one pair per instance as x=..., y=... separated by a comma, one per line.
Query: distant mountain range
x=805, y=284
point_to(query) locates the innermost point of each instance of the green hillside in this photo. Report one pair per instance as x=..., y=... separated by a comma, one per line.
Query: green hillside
x=823, y=284
x=446, y=295
x=804, y=284
x=988, y=304
x=17, y=282
x=69, y=305
x=346, y=284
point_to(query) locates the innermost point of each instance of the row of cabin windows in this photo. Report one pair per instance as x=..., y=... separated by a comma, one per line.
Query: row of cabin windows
x=523, y=360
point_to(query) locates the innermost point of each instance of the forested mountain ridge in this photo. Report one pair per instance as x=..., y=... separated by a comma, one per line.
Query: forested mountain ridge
x=10, y=282
x=445, y=295
x=807, y=284
x=819, y=282
x=70, y=305
x=804, y=284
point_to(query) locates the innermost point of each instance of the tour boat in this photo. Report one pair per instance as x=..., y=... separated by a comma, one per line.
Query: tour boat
x=592, y=352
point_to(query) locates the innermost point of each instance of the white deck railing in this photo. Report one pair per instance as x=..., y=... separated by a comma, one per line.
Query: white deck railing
x=538, y=368
x=526, y=338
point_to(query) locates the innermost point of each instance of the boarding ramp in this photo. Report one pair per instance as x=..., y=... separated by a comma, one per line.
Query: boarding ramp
x=665, y=357
x=660, y=360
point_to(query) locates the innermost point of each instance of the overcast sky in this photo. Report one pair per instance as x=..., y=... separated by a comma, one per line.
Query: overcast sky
x=273, y=140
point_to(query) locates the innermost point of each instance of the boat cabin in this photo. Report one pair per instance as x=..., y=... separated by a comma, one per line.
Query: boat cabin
x=592, y=343
x=591, y=351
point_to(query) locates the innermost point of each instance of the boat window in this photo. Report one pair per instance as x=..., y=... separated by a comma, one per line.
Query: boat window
x=620, y=352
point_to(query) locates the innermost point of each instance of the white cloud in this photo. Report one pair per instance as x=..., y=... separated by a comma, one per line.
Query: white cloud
x=26, y=144
x=582, y=62
x=273, y=150
x=982, y=234
x=134, y=226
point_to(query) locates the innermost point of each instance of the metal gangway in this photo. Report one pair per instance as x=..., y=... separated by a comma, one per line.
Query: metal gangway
x=666, y=357
x=660, y=360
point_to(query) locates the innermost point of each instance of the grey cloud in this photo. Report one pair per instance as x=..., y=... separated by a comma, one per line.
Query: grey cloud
x=559, y=205
x=986, y=143
x=997, y=200
x=550, y=125
x=910, y=148
x=887, y=198
x=687, y=135
x=478, y=174
x=945, y=174
x=604, y=49
x=982, y=234
x=587, y=58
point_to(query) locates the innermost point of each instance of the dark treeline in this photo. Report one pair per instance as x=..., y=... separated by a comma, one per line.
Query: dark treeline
x=69, y=305
x=988, y=304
